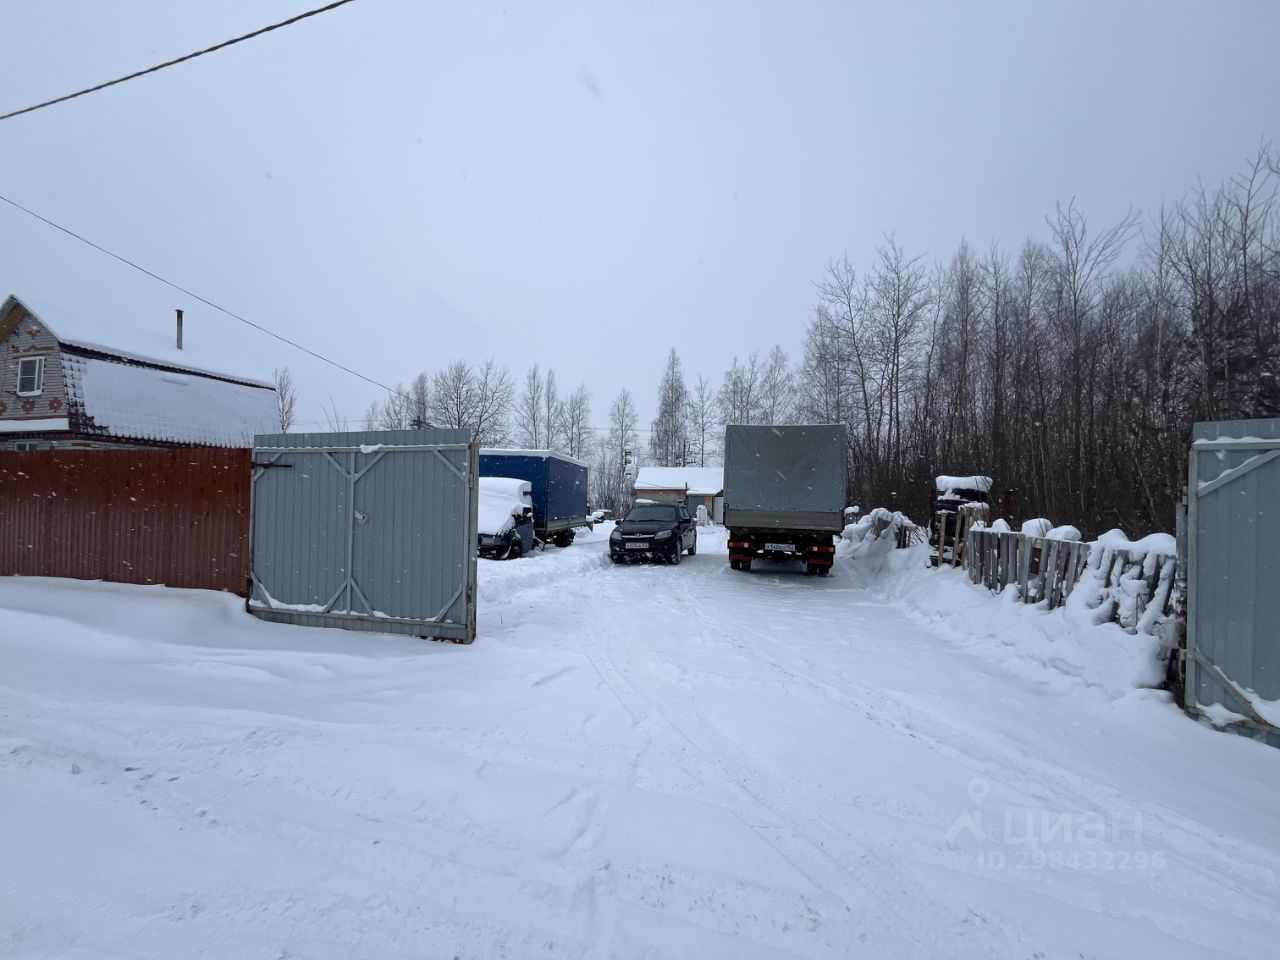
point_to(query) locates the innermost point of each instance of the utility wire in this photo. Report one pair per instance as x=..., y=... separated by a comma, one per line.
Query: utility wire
x=235, y=316
x=209, y=303
x=183, y=59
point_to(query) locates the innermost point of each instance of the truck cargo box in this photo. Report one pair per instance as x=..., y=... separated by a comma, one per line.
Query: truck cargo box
x=791, y=478
x=558, y=486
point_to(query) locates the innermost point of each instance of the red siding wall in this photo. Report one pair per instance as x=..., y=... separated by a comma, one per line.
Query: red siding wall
x=178, y=517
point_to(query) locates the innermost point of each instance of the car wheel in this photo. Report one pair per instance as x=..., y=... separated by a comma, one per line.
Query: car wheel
x=515, y=551
x=693, y=550
x=675, y=556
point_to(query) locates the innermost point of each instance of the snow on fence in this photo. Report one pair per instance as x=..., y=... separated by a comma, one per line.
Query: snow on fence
x=1134, y=580
x=881, y=522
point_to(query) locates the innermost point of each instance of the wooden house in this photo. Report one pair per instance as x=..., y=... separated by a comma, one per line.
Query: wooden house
x=63, y=385
x=693, y=486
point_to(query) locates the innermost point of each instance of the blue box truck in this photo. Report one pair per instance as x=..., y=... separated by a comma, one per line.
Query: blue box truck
x=558, y=487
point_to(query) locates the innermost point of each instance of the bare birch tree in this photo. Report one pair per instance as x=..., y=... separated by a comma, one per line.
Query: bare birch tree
x=286, y=399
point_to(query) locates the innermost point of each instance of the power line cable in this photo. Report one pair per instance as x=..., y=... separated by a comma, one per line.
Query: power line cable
x=209, y=303
x=235, y=316
x=183, y=59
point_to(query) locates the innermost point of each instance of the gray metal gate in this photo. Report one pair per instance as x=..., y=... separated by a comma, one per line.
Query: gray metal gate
x=374, y=531
x=1233, y=576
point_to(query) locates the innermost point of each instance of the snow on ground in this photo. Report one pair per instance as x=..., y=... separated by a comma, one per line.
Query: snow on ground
x=630, y=762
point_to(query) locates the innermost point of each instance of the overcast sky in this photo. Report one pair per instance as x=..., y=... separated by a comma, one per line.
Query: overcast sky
x=398, y=183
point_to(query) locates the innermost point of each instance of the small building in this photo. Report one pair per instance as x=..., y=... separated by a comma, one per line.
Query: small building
x=62, y=386
x=693, y=486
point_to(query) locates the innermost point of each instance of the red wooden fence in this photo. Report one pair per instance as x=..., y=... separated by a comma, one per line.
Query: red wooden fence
x=178, y=517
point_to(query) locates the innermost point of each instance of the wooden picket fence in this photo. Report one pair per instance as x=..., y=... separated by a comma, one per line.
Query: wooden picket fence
x=1137, y=588
x=957, y=526
x=1044, y=569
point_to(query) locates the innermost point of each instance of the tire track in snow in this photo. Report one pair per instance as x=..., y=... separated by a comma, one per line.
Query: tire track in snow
x=999, y=762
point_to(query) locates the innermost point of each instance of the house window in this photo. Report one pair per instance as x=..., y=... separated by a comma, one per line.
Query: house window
x=30, y=376
x=26, y=445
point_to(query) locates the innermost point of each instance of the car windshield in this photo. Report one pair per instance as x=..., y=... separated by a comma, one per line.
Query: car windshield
x=649, y=513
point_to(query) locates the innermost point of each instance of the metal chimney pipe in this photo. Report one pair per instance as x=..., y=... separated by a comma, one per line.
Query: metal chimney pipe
x=179, y=313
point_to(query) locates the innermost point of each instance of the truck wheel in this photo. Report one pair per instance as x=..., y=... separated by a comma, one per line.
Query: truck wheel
x=810, y=570
x=740, y=564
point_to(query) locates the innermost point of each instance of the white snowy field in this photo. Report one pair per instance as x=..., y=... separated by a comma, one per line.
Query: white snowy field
x=629, y=762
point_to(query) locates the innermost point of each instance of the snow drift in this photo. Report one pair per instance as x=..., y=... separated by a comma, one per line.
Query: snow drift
x=1063, y=647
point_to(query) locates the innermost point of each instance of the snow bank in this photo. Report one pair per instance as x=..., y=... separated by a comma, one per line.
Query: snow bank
x=503, y=582
x=873, y=538
x=1061, y=648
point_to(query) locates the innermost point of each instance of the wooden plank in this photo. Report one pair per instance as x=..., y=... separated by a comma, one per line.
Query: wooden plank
x=1009, y=541
x=1073, y=568
x=1051, y=572
x=1025, y=546
x=993, y=560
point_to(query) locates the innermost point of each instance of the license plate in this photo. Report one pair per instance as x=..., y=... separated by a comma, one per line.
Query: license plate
x=637, y=546
x=785, y=547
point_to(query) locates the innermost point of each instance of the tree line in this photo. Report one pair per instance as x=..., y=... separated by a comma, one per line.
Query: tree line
x=1069, y=368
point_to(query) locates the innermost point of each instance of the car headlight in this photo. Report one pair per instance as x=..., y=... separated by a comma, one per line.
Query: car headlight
x=616, y=535
x=662, y=535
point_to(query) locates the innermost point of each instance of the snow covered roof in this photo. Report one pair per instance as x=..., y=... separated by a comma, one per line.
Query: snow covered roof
x=121, y=398
x=697, y=480
x=544, y=454
x=155, y=341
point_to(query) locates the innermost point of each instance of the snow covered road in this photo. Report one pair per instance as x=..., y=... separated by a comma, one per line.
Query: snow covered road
x=630, y=762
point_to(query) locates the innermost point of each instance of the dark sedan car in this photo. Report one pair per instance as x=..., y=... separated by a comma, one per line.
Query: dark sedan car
x=654, y=531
